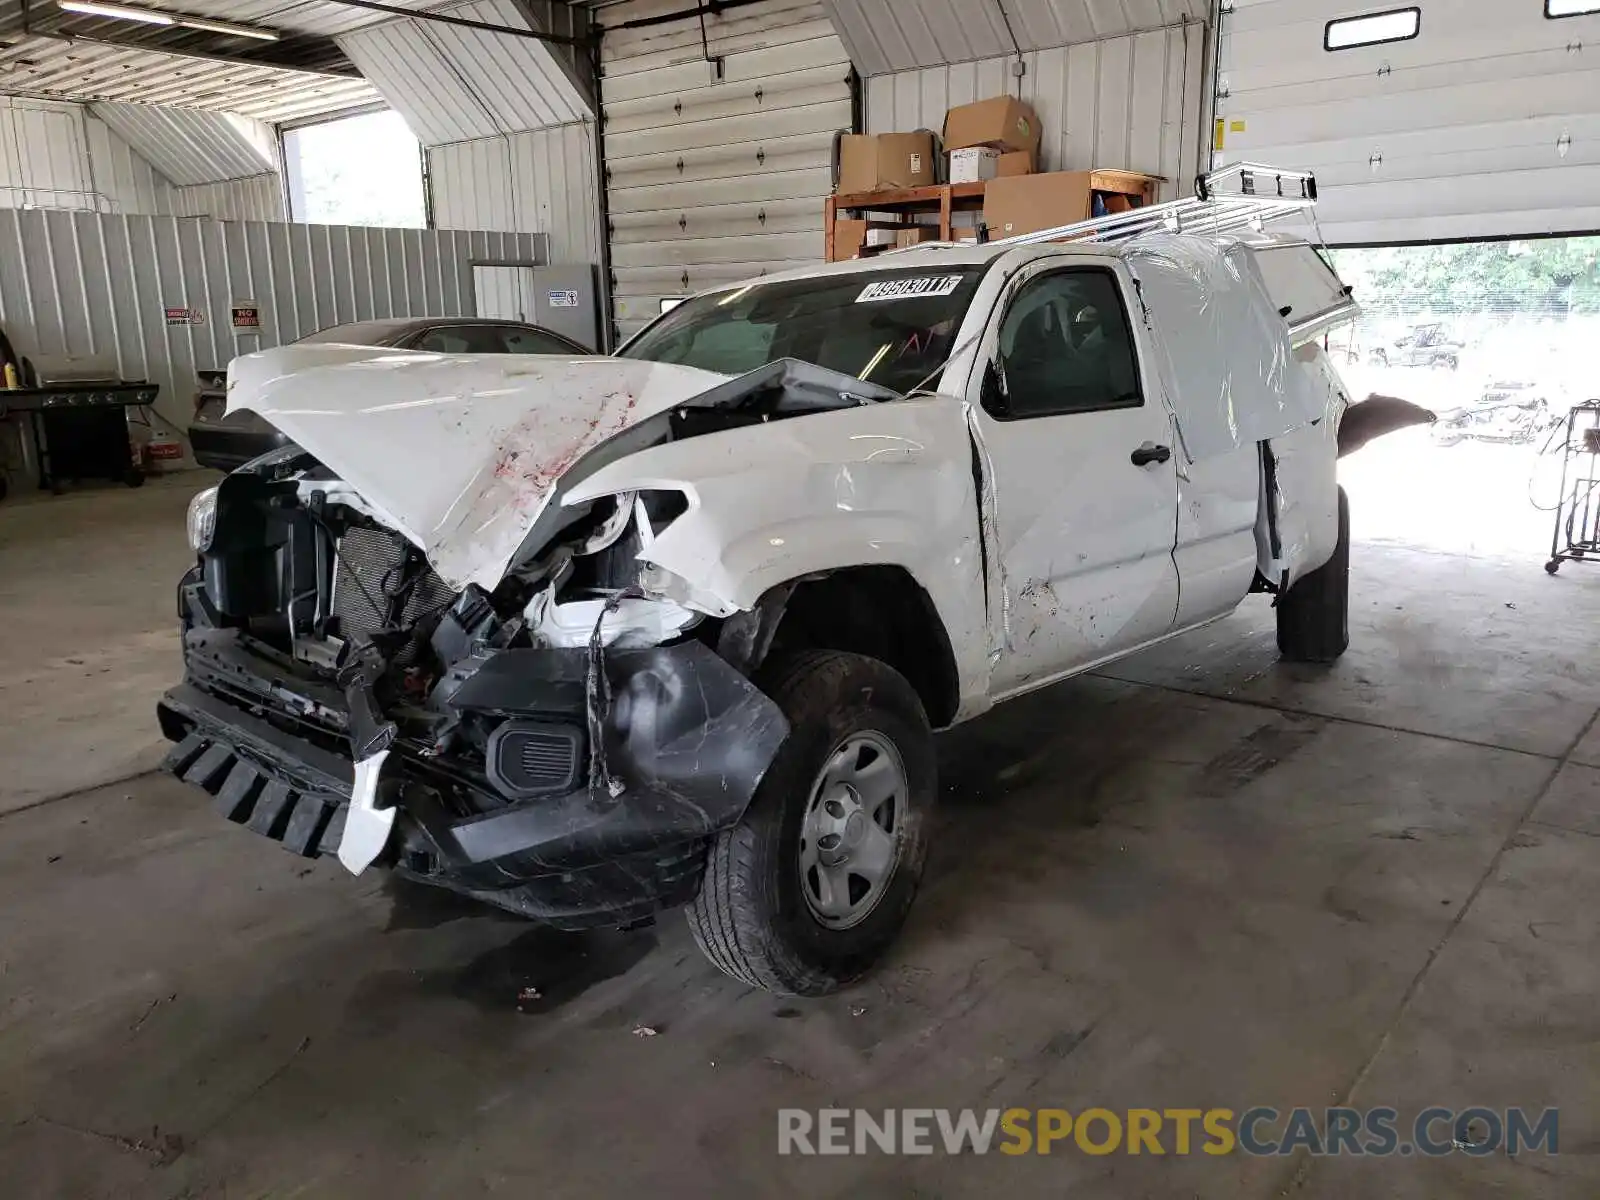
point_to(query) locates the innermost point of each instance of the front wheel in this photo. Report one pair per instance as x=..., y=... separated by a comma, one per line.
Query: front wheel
x=810, y=888
x=1314, y=615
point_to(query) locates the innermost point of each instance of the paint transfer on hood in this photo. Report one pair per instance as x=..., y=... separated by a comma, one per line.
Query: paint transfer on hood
x=460, y=452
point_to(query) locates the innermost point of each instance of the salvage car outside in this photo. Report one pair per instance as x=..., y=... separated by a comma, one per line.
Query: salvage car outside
x=1513, y=411
x=589, y=638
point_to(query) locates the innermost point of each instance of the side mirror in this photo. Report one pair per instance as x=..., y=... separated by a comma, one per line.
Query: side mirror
x=992, y=394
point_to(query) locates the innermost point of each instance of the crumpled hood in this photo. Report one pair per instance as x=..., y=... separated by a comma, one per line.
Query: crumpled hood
x=459, y=452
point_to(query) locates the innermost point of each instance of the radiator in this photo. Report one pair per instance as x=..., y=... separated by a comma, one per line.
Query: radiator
x=371, y=568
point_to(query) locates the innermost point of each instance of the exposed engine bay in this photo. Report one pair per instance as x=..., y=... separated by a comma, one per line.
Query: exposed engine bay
x=304, y=565
x=577, y=681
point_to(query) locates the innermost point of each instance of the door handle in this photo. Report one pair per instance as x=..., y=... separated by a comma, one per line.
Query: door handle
x=1151, y=453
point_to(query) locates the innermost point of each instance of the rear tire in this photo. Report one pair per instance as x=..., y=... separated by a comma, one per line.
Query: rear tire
x=1314, y=615
x=758, y=916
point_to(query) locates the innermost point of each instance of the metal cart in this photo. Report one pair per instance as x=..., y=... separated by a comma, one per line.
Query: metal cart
x=1577, y=532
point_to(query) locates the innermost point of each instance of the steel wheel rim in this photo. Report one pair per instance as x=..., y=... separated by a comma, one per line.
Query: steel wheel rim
x=853, y=829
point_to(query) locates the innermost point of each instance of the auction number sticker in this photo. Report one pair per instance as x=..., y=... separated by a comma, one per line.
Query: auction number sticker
x=905, y=289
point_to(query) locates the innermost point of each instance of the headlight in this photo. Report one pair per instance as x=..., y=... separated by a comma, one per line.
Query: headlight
x=202, y=520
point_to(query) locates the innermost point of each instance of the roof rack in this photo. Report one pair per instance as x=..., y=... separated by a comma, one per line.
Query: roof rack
x=1239, y=196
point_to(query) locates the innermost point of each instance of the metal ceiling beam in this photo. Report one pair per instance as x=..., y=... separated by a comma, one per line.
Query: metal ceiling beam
x=294, y=51
x=341, y=68
x=393, y=10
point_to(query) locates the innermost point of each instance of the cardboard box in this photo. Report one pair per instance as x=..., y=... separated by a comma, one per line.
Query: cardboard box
x=849, y=235
x=880, y=237
x=974, y=164
x=915, y=235
x=1017, y=204
x=1016, y=162
x=1027, y=203
x=1003, y=122
x=878, y=162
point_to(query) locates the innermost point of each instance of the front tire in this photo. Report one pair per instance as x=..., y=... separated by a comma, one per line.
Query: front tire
x=1314, y=615
x=809, y=889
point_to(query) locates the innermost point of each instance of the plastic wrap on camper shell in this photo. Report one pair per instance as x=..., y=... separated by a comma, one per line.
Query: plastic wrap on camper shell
x=1222, y=350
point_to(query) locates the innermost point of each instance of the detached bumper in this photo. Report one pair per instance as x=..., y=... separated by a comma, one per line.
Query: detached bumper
x=687, y=735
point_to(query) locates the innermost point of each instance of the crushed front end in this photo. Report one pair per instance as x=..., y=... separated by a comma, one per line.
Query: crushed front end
x=341, y=698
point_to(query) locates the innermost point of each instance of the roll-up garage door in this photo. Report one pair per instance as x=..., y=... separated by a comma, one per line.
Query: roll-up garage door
x=718, y=150
x=1433, y=120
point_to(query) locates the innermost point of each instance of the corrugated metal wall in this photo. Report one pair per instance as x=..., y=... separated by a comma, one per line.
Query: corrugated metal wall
x=1486, y=124
x=1128, y=103
x=191, y=146
x=454, y=85
x=711, y=180
x=259, y=198
x=59, y=155
x=88, y=284
x=121, y=174
x=898, y=35
x=542, y=181
x=44, y=156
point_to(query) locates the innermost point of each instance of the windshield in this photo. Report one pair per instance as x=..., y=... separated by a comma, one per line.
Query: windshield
x=359, y=333
x=892, y=328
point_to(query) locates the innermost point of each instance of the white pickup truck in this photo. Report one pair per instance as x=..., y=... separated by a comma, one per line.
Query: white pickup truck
x=588, y=638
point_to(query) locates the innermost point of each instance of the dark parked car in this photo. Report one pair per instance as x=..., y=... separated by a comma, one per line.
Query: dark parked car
x=225, y=442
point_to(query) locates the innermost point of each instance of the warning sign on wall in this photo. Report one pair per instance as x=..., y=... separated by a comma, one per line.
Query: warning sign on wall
x=563, y=298
x=246, y=316
x=177, y=315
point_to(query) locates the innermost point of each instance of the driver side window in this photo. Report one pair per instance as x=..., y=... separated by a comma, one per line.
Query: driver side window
x=1066, y=346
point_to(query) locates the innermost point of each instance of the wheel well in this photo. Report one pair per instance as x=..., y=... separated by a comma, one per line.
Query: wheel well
x=881, y=612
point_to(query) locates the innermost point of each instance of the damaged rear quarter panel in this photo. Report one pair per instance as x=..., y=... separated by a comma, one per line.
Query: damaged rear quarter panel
x=886, y=484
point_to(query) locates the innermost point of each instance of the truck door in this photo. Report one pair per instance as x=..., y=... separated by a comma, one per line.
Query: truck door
x=1084, y=477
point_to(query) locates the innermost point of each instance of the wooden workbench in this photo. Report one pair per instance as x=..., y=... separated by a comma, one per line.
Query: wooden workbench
x=898, y=208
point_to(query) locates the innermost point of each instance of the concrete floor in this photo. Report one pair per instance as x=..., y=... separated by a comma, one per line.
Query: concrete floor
x=1201, y=879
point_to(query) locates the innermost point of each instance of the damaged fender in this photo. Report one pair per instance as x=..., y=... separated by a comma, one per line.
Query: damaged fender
x=690, y=736
x=875, y=485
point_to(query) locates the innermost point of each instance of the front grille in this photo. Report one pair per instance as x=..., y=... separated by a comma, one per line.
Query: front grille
x=375, y=566
x=534, y=758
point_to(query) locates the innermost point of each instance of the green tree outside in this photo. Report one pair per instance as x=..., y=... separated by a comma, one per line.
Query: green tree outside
x=1547, y=277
